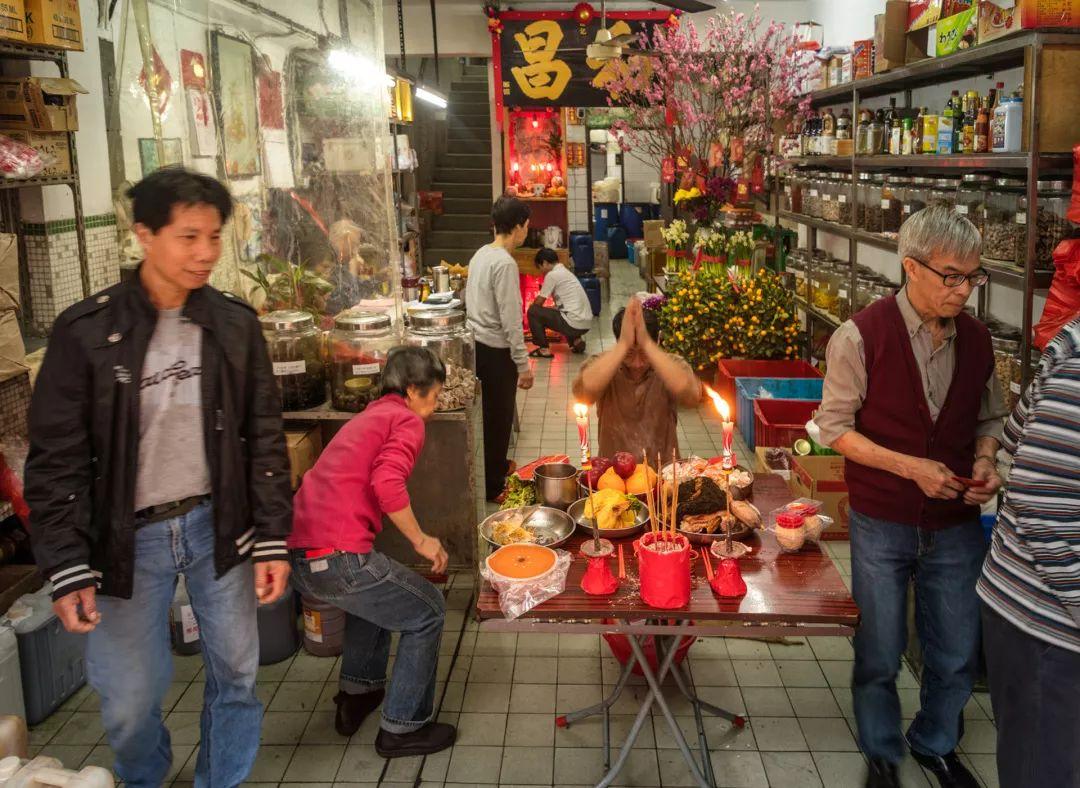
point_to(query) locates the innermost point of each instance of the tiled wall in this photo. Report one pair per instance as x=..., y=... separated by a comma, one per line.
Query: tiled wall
x=577, y=186
x=52, y=259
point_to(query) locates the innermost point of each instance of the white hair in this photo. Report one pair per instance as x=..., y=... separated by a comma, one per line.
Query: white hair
x=939, y=230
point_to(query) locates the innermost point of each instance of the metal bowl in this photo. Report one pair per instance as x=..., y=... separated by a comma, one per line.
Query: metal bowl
x=556, y=484
x=552, y=526
x=577, y=515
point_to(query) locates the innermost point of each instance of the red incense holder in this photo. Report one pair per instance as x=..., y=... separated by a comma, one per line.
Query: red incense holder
x=665, y=574
x=727, y=579
x=598, y=579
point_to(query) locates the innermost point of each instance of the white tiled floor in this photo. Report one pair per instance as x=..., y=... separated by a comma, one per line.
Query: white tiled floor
x=504, y=690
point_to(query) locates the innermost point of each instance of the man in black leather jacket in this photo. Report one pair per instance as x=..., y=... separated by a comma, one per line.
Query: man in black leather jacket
x=156, y=449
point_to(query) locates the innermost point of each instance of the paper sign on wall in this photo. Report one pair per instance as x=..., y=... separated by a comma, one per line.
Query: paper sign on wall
x=193, y=69
x=202, y=124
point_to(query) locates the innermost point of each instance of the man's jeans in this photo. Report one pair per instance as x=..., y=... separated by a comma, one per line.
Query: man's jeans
x=945, y=565
x=129, y=660
x=380, y=596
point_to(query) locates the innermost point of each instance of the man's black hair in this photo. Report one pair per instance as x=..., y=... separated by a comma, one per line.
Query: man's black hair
x=546, y=255
x=410, y=365
x=154, y=197
x=508, y=213
x=652, y=323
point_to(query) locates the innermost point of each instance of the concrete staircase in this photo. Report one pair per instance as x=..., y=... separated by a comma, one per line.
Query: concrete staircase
x=463, y=173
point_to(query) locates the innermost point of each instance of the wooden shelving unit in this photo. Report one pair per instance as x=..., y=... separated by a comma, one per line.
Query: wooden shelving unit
x=1020, y=50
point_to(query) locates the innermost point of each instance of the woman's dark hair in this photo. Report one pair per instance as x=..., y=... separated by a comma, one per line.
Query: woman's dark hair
x=154, y=197
x=652, y=323
x=508, y=213
x=546, y=255
x=407, y=365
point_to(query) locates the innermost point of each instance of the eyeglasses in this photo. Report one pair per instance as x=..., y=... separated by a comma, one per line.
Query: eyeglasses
x=976, y=278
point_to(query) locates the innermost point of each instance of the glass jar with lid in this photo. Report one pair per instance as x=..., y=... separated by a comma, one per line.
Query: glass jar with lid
x=446, y=332
x=843, y=198
x=916, y=196
x=797, y=183
x=842, y=277
x=359, y=344
x=1007, y=366
x=812, y=198
x=796, y=264
x=971, y=197
x=830, y=207
x=1003, y=238
x=1050, y=223
x=892, y=196
x=295, y=348
x=823, y=285
x=873, y=203
x=862, y=187
x=785, y=191
x=943, y=192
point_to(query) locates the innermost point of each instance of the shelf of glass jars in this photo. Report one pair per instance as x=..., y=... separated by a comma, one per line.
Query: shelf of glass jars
x=999, y=271
x=1004, y=53
x=818, y=314
x=326, y=412
x=962, y=161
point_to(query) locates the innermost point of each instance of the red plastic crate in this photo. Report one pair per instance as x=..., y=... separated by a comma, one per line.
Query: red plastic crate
x=781, y=422
x=730, y=368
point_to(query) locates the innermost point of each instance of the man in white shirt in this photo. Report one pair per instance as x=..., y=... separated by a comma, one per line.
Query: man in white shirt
x=572, y=315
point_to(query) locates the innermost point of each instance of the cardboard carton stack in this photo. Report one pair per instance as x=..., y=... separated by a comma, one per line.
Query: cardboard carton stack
x=12, y=350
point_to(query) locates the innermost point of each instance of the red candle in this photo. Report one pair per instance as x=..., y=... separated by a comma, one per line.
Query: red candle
x=727, y=425
x=581, y=414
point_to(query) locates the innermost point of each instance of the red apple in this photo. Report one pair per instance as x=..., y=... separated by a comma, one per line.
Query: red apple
x=592, y=476
x=601, y=463
x=624, y=464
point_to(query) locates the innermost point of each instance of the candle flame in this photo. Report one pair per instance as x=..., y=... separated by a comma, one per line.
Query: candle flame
x=581, y=409
x=719, y=403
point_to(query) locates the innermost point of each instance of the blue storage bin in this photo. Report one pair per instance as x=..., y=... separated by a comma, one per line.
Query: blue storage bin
x=632, y=216
x=617, y=244
x=605, y=216
x=749, y=389
x=581, y=252
x=592, y=289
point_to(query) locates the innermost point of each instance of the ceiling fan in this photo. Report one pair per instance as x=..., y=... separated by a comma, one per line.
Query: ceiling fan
x=607, y=46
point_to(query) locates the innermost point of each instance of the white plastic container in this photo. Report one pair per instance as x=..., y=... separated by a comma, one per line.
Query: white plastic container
x=11, y=691
x=44, y=771
x=1007, y=125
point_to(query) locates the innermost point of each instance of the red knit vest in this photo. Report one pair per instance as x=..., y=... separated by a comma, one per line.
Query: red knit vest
x=894, y=414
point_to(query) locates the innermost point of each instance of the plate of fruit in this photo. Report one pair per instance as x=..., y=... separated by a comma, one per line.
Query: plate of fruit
x=622, y=473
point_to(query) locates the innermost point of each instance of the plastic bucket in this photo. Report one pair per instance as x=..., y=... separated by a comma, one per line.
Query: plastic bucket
x=324, y=628
x=665, y=577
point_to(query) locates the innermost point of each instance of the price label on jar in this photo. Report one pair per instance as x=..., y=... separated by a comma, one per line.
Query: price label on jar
x=962, y=210
x=885, y=204
x=842, y=199
x=842, y=294
x=1021, y=218
x=906, y=209
x=813, y=192
x=282, y=368
x=826, y=197
x=365, y=369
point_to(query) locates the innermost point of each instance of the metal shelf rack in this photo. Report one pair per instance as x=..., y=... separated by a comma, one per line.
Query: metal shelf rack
x=9, y=189
x=1023, y=49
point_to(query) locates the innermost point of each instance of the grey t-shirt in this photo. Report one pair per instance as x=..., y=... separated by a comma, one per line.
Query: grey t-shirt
x=172, y=450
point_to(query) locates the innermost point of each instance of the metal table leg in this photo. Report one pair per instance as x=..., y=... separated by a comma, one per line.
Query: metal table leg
x=603, y=707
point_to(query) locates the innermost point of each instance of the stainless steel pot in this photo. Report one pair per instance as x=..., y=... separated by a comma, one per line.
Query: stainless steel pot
x=556, y=485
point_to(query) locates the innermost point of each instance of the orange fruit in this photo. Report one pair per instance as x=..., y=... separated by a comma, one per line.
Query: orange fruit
x=641, y=481
x=521, y=561
x=611, y=481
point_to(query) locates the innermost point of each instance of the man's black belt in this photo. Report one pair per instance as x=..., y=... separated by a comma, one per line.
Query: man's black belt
x=167, y=511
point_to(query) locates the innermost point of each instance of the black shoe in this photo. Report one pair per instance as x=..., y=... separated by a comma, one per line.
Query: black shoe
x=433, y=737
x=352, y=710
x=578, y=346
x=882, y=774
x=949, y=770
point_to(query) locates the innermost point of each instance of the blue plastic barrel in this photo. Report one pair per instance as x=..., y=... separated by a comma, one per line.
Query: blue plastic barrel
x=581, y=252
x=632, y=216
x=605, y=216
x=616, y=239
x=592, y=289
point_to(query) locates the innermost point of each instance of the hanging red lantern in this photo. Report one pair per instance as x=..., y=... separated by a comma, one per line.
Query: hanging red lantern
x=583, y=13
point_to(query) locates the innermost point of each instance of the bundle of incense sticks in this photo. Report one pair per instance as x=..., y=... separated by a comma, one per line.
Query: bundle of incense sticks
x=675, y=493
x=650, y=493
x=708, y=564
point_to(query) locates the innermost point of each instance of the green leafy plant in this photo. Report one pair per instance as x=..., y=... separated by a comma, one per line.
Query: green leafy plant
x=286, y=285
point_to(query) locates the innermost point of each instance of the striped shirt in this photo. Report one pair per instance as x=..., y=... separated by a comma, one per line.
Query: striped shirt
x=1032, y=573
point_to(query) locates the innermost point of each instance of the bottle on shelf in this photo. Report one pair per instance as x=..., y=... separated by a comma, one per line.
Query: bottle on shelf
x=967, y=133
x=994, y=98
x=1005, y=128
x=828, y=133
x=907, y=139
x=954, y=101
x=878, y=134
x=982, y=131
x=896, y=136
x=843, y=125
x=929, y=132
x=862, y=134
x=917, y=131
x=889, y=117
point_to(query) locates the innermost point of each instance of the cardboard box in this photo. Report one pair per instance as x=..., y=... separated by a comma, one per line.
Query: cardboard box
x=997, y=19
x=890, y=30
x=923, y=13
x=39, y=103
x=652, y=228
x=54, y=23
x=822, y=478
x=50, y=144
x=956, y=33
x=304, y=447
x=13, y=20
x=1058, y=87
x=847, y=68
x=862, y=58
x=12, y=349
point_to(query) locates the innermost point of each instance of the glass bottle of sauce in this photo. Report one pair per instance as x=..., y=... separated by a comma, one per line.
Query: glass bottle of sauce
x=907, y=137
x=877, y=133
x=982, y=131
x=843, y=125
x=862, y=134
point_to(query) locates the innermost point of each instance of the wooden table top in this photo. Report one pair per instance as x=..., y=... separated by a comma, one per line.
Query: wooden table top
x=791, y=588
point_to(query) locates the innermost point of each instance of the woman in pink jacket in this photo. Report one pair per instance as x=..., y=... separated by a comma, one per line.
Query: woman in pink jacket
x=338, y=512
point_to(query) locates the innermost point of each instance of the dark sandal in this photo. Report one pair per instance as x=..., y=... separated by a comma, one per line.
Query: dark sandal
x=578, y=346
x=541, y=352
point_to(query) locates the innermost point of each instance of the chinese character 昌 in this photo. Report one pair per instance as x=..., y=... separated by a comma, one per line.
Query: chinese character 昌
x=545, y=76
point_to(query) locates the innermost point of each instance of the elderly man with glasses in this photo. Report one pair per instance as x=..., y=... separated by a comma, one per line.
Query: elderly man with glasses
x=912, y=402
